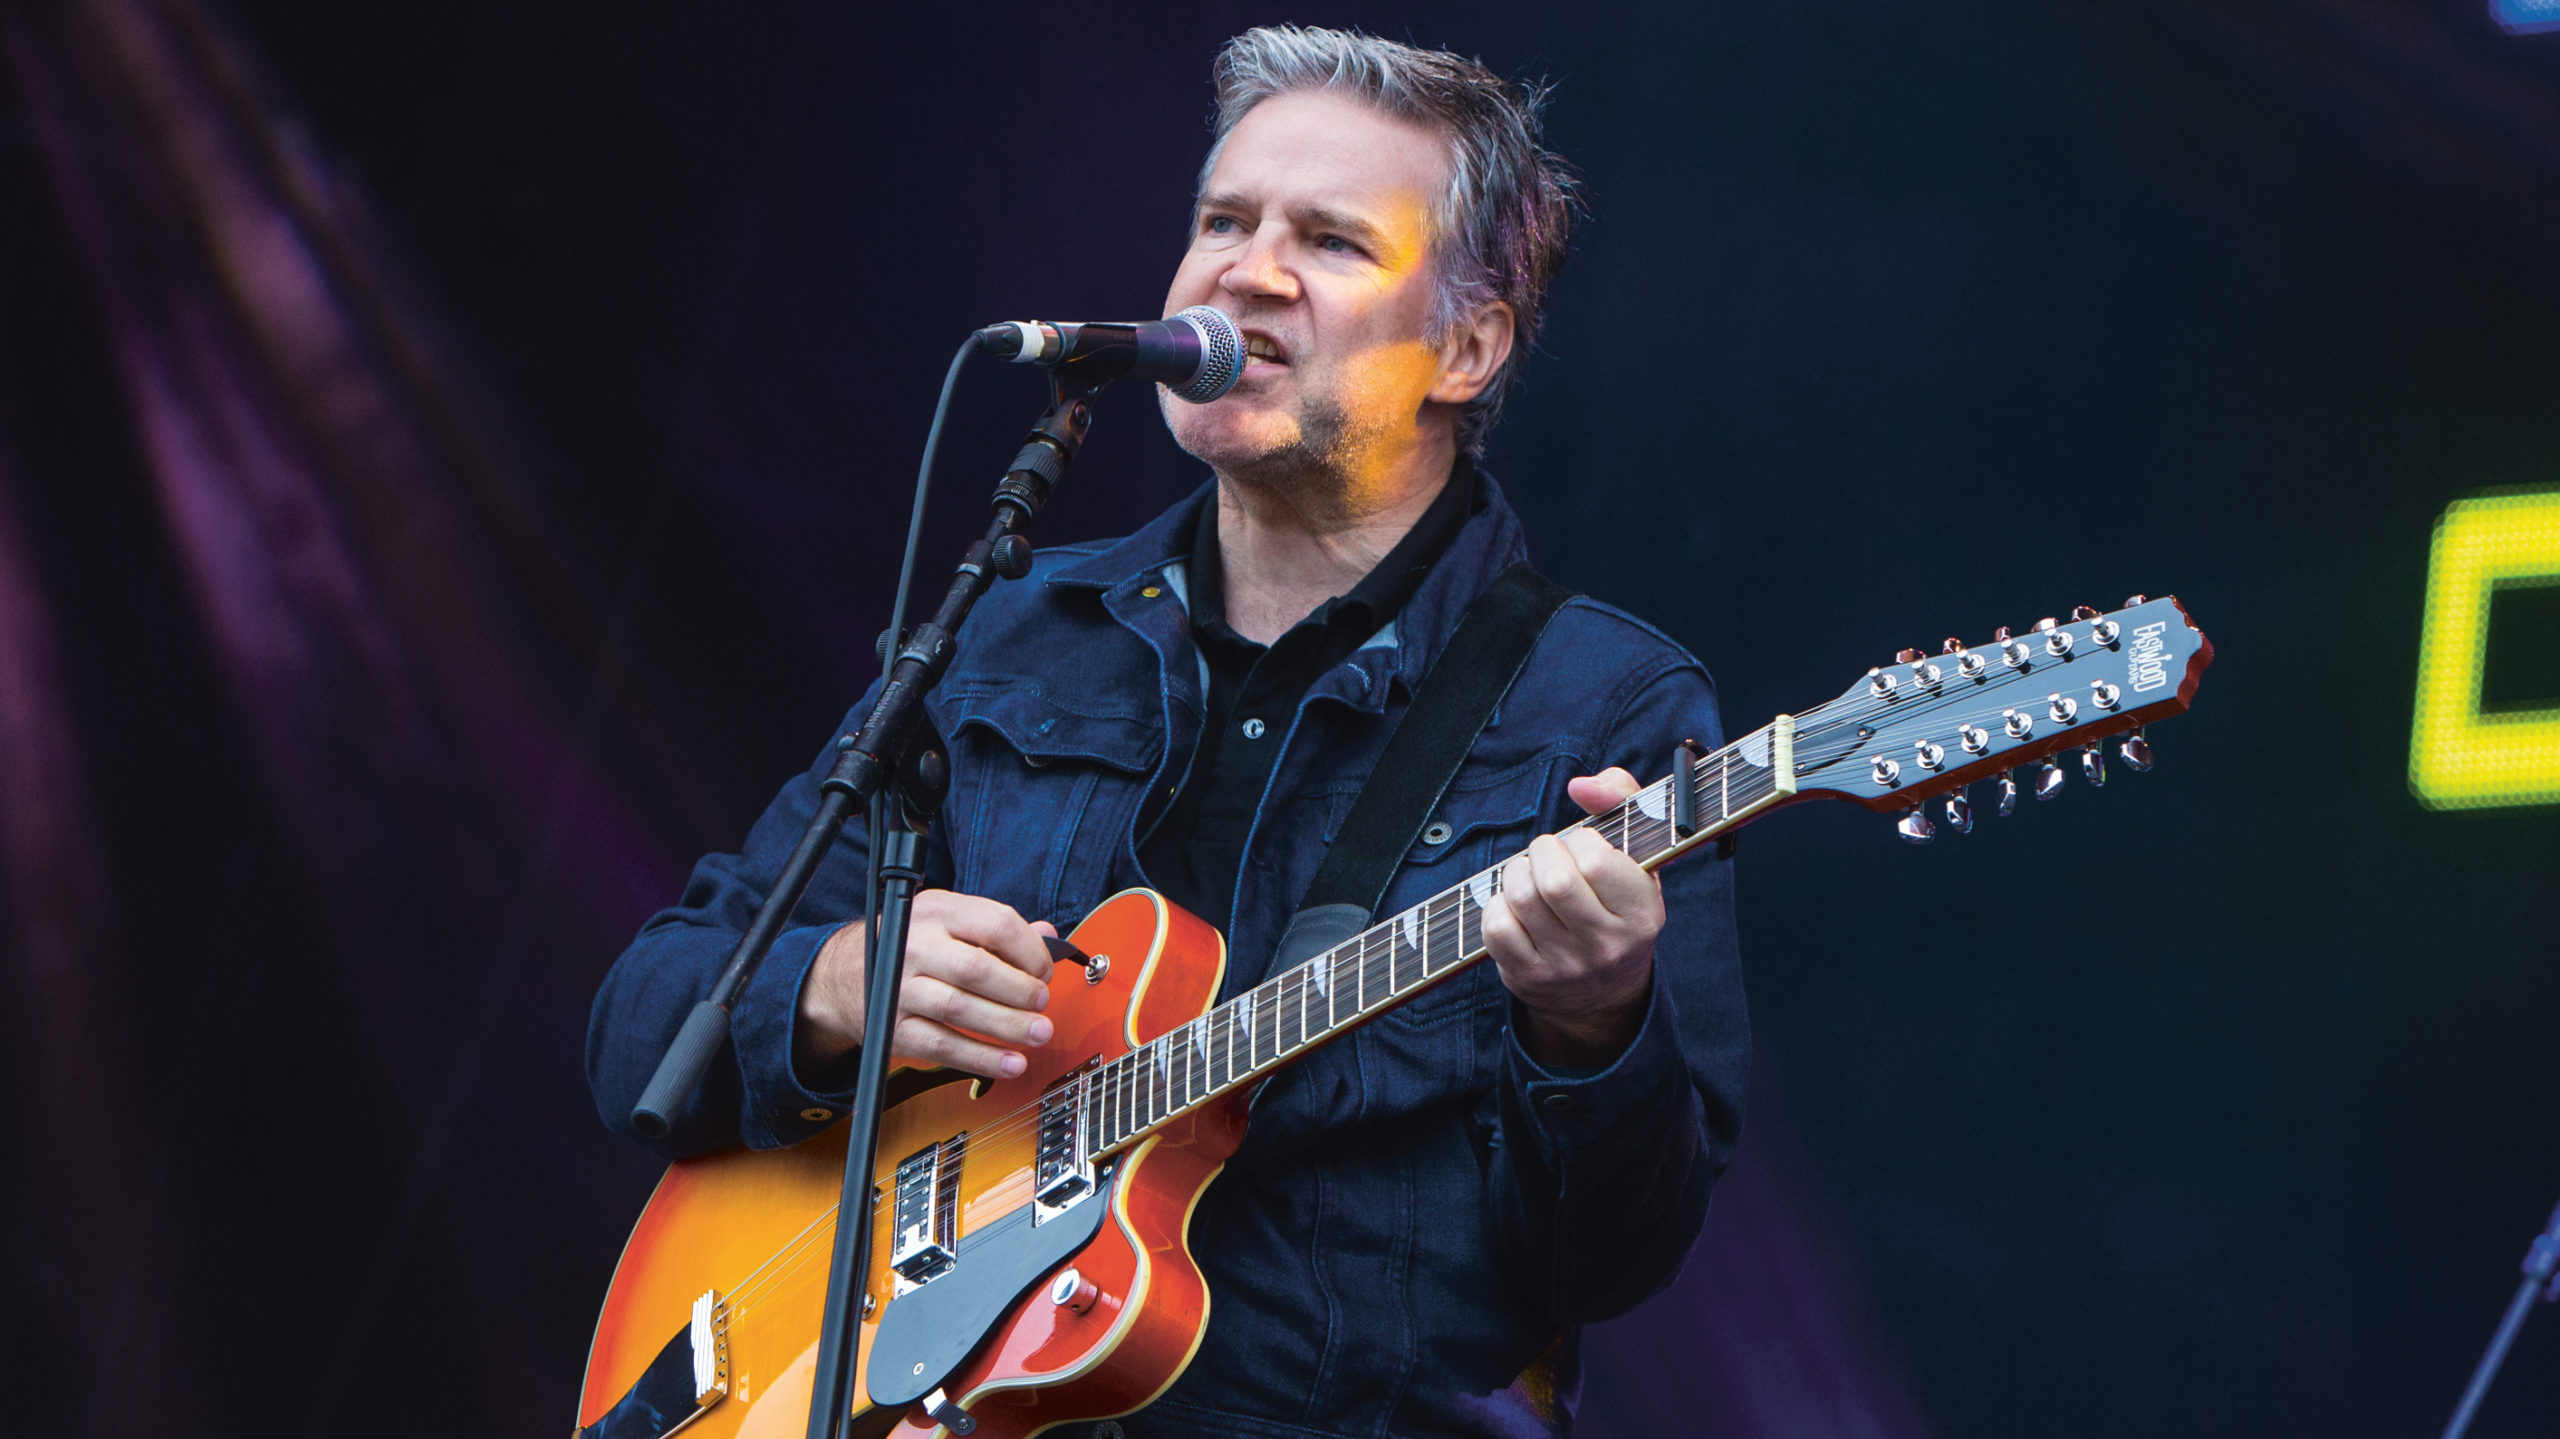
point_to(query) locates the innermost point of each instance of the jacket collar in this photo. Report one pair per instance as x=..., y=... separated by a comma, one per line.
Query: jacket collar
x=1487, y=543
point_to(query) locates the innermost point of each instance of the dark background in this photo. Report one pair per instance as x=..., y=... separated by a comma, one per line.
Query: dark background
x=450, y=466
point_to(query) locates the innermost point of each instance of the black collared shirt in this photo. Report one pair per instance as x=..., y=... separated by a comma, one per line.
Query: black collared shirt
x=1196, y=848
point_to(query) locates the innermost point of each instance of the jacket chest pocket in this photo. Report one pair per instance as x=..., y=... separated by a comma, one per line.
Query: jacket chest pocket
x=1040, y=795
x=1484, y=819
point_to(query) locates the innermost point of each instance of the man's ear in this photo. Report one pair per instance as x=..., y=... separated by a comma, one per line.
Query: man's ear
x=1473, y=354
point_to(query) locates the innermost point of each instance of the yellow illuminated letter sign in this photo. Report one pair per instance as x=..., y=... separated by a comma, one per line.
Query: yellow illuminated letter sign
x=2460, y=758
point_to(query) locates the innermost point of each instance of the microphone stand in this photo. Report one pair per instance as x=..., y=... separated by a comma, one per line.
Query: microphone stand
x=2542, y=1281
x=878, y=761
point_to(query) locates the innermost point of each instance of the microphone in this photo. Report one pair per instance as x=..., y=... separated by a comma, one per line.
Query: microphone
x=1198, y=354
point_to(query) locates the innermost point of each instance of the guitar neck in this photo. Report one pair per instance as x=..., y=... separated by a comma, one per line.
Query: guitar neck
x=1271, y=1024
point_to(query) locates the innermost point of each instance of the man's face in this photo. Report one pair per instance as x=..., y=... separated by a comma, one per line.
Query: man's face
x=1313, y=232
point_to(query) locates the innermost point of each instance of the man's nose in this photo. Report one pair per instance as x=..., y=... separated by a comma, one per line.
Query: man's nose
x=1259, y=274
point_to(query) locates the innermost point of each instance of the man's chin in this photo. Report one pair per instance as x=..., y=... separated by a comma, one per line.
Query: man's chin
x=1229, y=440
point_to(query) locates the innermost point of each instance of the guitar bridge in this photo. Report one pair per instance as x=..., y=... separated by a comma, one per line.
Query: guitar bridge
x=924, y=1235
x=1062, y=1172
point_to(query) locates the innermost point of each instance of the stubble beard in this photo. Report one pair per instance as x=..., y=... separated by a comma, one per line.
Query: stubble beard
x=1314, y=471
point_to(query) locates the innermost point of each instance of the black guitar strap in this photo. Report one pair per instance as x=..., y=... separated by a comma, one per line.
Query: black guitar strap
x=1456, y=699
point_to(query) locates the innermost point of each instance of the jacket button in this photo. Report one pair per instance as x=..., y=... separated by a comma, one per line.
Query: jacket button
x=1438, y=833
x=1253, y=729
x=815, y=1115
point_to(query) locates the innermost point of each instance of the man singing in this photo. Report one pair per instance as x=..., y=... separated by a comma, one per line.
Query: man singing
x=1423, y=1213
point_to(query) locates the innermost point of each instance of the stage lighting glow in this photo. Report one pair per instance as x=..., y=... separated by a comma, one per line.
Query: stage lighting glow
x=2524, y=17
x=2460, y=755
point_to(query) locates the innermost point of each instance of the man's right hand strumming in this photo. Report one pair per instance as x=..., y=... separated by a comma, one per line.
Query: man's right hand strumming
x=976, y=971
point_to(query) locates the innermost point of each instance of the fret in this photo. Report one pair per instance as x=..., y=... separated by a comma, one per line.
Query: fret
x=1344, y=961
x=1266, y=1028
x=1293, y=1010
x=1449, y=934
x=1404, y=953
x=1724, y=778
x=1159, y=1082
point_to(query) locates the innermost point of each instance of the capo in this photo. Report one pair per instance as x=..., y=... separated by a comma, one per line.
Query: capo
x=1684, y=788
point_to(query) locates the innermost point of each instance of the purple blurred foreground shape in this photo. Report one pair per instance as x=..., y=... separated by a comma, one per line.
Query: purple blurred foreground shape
x=376, y=592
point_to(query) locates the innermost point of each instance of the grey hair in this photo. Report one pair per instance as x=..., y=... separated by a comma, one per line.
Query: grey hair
x=1498, y=233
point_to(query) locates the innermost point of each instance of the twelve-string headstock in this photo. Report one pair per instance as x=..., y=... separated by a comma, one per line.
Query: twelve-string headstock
x=1928, y=725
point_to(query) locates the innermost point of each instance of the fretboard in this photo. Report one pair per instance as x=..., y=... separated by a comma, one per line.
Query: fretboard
x=1274, y=1022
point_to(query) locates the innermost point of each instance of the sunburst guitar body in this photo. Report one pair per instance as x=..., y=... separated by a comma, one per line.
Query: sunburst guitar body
x=711, y=1324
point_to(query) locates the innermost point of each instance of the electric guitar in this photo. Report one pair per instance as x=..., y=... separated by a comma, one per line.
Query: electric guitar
x=1030, y=1258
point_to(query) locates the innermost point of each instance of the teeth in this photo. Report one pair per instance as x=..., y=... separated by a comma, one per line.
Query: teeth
x=1261, y=349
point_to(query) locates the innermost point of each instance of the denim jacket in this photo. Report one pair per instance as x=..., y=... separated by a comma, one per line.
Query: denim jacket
x=1421, y=1216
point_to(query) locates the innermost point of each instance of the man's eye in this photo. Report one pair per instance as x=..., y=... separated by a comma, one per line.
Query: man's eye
x=1337, y=245
x=1219, y=225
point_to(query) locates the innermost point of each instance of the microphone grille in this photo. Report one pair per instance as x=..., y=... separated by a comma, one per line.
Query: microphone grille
x=1221, y=355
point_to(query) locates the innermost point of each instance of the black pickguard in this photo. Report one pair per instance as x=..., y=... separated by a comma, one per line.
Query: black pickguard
x=926, y=1334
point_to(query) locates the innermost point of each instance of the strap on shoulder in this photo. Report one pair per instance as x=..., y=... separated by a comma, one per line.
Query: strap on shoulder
x=1492, y=645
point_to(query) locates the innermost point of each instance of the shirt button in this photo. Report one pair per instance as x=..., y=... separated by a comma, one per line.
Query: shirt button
x=1253, y=729
x=816, y=1115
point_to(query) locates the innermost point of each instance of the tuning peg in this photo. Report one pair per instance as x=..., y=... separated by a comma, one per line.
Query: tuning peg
x=1953, y=646
x=2136, y=752
x=1906, y=657
x=1915, y=827
x=2131, y=600
x=2008, y=794
x=1959, y=813
x=2048, y=780
x=2093, y=765
x=2083, y=612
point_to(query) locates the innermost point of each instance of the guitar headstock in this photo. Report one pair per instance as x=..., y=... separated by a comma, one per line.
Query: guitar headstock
x=1927, y=725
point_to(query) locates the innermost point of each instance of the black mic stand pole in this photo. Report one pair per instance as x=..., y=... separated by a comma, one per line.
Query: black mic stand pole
x=866, y=763
x=2541, y=1281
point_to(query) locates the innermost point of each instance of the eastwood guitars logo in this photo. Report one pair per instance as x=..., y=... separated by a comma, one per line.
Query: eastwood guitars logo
x=2150, y=657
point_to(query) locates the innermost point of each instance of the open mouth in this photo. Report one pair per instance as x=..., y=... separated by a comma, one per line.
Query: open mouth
x=1259, y=346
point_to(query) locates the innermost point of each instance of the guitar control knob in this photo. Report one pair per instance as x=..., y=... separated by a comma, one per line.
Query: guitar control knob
x=2104, y=695
x=1974, y=738
x=1072, y=1292
x=2019, y=723
x=2064, y=711
x=1959, y=813
x=2008, y=794
x=1887, y=772
x=2136, y=752
x=1916, y=828
x=2048, y=780
x=2093, y=765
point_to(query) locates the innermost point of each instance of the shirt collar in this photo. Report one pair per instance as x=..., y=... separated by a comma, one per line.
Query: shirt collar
x=1379, y=595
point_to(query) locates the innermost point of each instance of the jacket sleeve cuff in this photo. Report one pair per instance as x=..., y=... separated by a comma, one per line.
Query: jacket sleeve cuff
x=1573, y=1109
x=783, y=1105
